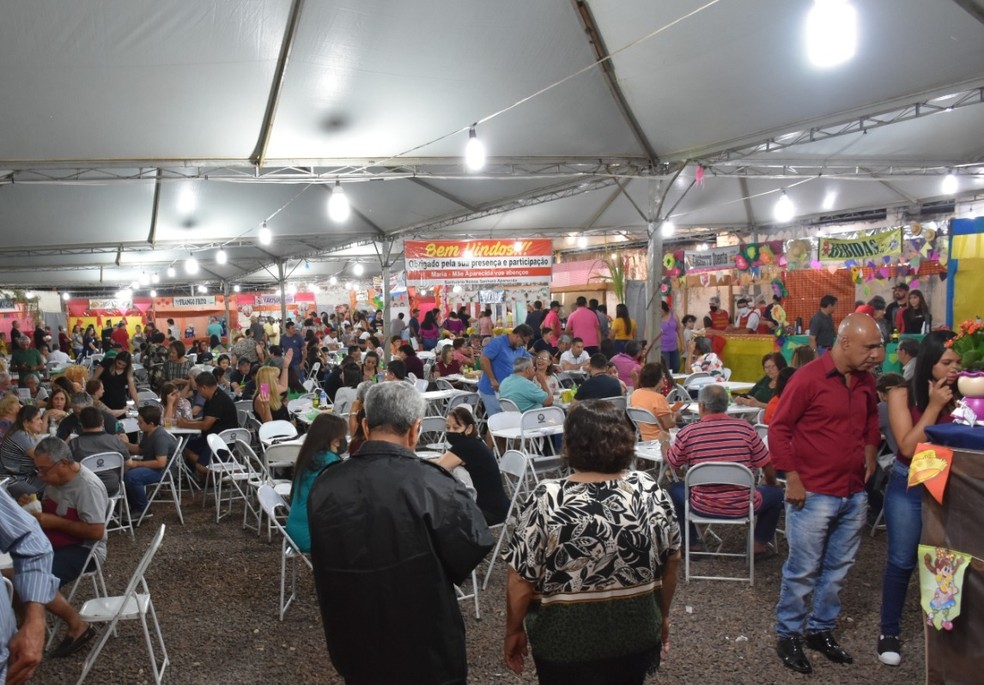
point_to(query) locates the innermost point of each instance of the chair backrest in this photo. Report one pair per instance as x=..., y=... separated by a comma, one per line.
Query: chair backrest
x=420, y=384
x=250, y=460
x=505, y=419
x=542, y=418
x=433, y=424
x=130, y=425
x=763, y=431
x=469, y=399
x=443, y=384
x=514, y=463
x=103, y=464
x=219, y=447
x=508, y=405
x=699, y=380
x=300, y=404
x=411, y=376
x=639, y=416
x=149, y=402
x=310, y=384
x=138, y=574
x=678, y=394
x=272, y=430
x=726, y=373
x=230, y=435
x=618, y=401
x=244, y=405
x=720, y=473
x=147, y=395
x=427, y=370
x=315, y=369
x=272, y=503
x=281, y=455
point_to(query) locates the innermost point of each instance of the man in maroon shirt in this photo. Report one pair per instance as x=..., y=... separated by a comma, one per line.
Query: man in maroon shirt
x=824, y=436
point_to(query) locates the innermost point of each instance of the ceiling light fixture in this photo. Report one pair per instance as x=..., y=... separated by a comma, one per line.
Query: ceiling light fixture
x=203, y=288
x=144, y=278
x=154, y=278
x=358, y=269
x=350, y=286
x=171, y=273
x=291, y=288
x=221, y=257
x=518, y=246
x=153, y=293
x=831, y=33
x=338, y=204
x=265, y=237
x=191, y=266
x=457, y=289
x=949, y=184
x=187, y=200
x=236, y=288
x=668, y=229
x=570, y=240
x=66, y=297
x=582, y=242
x=474, y=151
x=784, y=209
x=333, y=281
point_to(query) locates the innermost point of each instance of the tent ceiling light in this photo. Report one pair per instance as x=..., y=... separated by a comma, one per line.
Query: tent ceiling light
x=221, y=257
x=582, y=242
x=266, y=237
x=333, y=281
x=236, y=288
x=191, y=266
x=338, y=204
x=187, y=200
x=831, y=33
x=292, y=288
x=203, y=288
x=358, y=269
x=153, y=293
x=668, y=229
x=144, y=278
x=784, y=211
x=570, y=240
x=66, y=297
x=171, y=273
x=517, y=245
x=949, y=184
x=457, y=289
x=154, y=278
x=474, y=151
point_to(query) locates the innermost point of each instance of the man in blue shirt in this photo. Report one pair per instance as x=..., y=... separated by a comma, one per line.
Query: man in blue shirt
x=293, y=340
x=497, y=363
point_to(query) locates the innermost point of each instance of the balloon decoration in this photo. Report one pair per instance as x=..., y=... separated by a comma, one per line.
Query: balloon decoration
x=752, y=257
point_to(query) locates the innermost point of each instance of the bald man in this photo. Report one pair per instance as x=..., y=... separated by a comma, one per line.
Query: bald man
x=825, y=436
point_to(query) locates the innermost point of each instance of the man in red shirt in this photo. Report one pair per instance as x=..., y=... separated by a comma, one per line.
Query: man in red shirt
x=825, y=436
x=583, y=323
x=121, y=336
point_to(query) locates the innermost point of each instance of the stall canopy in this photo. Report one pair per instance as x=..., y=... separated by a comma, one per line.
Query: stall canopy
x=138, y=133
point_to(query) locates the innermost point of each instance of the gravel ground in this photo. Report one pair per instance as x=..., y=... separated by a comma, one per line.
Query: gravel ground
x=215, y=589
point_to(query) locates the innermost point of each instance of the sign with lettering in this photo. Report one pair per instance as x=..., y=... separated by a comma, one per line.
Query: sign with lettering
x=714, y=259
x=109, y=305
x=7, y=303
x=861, y=249
x=260, y=300
x=488, y=262
x=197, y=301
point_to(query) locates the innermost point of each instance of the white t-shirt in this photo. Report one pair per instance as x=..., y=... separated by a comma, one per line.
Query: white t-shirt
x=569, y=358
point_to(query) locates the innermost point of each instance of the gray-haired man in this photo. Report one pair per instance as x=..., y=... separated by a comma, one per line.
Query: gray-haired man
x=390, y=536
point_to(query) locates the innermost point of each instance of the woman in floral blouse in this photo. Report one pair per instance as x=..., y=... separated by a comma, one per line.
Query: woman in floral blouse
x=593, y=562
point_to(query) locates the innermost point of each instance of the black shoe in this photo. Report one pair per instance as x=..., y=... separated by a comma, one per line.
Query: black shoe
x=70, y=646
x=825, y=643
x=790, y=650
x=890, y=650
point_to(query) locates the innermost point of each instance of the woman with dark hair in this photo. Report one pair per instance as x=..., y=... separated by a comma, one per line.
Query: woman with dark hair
x=430, y=332
x=413, y=363
x=116, y=374
x=17, y=452
x=463, y=353
x=765, y=388
x=370, y=366
x=543, y=361
x=648, y=395
x=177, y=367
x=468, y=450
x=916, y=318
x=928, y=400
x=781, y=380
x=175, y=406
x=90, y=342
x=623, y=328
x=453, y=325
x=323, y=443
x=670, y=338
x=593, y=617
x=59, y=404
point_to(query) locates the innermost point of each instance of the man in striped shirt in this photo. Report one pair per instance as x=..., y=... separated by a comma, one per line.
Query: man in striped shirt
x=719, y=437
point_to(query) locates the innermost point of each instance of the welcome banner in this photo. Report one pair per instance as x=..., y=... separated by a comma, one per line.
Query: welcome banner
x=883, y=243
x=492, y=262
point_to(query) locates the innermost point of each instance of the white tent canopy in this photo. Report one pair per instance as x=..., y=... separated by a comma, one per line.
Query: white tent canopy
x=137, y=133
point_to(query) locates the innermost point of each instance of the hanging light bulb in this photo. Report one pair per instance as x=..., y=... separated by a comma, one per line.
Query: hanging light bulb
x=153, y=293
x=457, y=289
x=358, y=269
x=191, y=266
x=831, y=32
x=582, y=242
x=338, y=204
x=667, y=229
x=66, y=297
x=265, y=236
x=154, y=278
x=474, y=151
x=221, y=257
x=518, y=246
x=784, y=209
x=949, y=184
x=333, y=281
x=468, y=254
x=203, y=288
x=236, y=288
x=171, y=273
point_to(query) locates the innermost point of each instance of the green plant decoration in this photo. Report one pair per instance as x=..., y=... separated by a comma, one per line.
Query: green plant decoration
x=615, y=278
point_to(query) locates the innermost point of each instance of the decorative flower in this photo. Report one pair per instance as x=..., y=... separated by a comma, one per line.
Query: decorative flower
x=766, y=255
x=969, y=344
x=669, y=261
x=741, y=263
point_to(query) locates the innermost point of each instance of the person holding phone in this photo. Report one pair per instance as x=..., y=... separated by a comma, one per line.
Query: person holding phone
x=271, y=383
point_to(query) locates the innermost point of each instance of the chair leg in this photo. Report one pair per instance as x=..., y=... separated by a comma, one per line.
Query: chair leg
x=90, y=659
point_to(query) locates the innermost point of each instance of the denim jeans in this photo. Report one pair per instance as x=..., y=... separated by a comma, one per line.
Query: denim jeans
x=823, y=537
x=766, y=515
x=903, y=516
x=671, y=360
x=491, y=403
x=136, y=482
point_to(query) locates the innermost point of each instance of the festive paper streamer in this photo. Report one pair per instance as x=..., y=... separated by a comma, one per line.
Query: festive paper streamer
x=931, y=467
x=941, y=576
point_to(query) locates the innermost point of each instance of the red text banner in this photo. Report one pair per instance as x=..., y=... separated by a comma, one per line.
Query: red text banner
x=500, y=262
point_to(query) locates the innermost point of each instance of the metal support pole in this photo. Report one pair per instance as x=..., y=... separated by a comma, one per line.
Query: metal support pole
x=654, y=270
x=283, y=295
x=225, y=296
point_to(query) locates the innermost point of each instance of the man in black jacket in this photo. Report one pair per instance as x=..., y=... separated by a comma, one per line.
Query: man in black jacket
x=391, y=534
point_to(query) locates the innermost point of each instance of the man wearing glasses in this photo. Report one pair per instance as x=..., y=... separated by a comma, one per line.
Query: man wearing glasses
x=498, y=358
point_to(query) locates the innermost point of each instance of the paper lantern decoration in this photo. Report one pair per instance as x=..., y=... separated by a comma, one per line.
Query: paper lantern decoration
x=741, y=263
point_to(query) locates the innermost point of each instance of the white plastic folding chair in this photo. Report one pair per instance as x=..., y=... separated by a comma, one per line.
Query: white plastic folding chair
x=678, y=394
x=726, y=374
x=169, y=482
x=134, y=603
x=244, y=409
x=508, y=405
x=619, y=401
x=312, y=375
x=720, y=473
x=148, y=402
x=273, y=432
x=147, y=395
x=224, y=467
x=271, y=503
x=258, y=476
x=537, y=430
x=120, y=513
x=504, y=421
x=514, y=466
x=420, y=384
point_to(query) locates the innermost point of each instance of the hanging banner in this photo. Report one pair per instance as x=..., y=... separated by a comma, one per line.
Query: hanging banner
x=260, y=300
x=109, y=305
x=881, y=244
x=714, y=259
x=941, y=573
x=194, y=302
x=492, y=262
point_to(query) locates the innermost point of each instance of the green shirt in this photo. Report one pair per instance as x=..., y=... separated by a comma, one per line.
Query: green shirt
x=25, y=359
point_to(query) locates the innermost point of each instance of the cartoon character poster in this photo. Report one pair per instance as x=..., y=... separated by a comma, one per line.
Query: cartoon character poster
x=941, y=575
